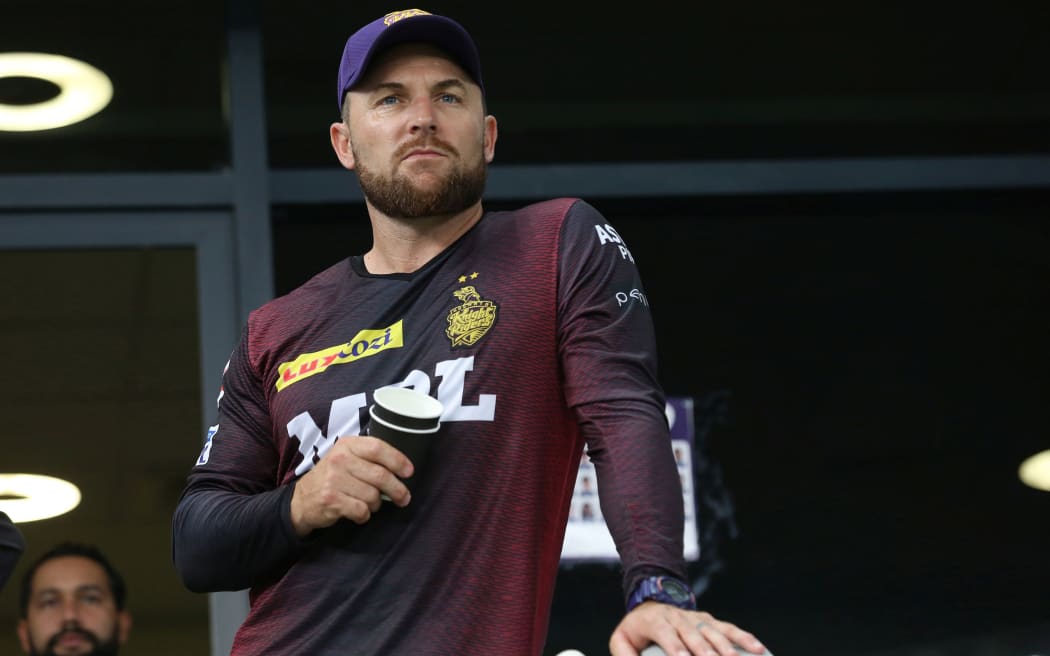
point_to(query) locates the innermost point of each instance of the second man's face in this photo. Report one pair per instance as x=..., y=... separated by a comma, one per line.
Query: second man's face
x=72, y=611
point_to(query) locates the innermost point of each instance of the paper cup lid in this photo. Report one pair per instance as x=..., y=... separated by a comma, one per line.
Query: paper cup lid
x=406, y=407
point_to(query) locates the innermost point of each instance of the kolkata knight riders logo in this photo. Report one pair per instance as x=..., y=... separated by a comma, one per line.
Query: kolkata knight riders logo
x=468, y=322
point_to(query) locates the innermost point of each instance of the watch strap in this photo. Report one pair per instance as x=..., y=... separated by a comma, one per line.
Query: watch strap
x=663, y=589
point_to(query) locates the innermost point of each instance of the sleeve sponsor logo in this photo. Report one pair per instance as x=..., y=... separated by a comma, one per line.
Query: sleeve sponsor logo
x=364, y=344
x=608, y=235
x=206, y=451
x=625, y=297
x=222, y=384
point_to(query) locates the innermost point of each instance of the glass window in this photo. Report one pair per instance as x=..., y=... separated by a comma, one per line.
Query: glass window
x=102, y=388
x=164, y=62
x=707, y=81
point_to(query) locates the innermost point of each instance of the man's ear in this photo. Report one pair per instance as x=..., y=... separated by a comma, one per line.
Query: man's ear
x=340, y=134
x=489, y=143
x=123, y=626
x=23, y=636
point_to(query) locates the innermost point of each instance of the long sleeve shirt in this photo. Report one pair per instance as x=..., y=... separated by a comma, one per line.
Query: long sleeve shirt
x=534, y=331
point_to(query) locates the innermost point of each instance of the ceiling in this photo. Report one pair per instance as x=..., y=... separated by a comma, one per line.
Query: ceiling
x=878, y=362
x=569, y=82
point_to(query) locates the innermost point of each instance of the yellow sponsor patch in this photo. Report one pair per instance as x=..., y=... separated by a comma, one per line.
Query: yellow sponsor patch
x=364, y=344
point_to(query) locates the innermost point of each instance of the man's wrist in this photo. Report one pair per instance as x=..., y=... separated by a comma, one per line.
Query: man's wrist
x=662, y=589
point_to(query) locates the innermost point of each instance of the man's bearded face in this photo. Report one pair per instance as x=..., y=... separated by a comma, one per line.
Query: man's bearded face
x=399, y=196
x=59, y=645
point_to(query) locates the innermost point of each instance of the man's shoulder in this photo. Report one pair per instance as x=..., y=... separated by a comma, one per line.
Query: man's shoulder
x=543, y=216
x=314, y=293
x=552, y=208
x=278, y=323
x=559, y=209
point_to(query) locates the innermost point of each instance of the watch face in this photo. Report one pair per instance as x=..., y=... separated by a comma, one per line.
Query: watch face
x=675, y=590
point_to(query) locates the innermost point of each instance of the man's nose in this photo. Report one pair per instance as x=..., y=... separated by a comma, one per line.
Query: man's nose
x=423, y=117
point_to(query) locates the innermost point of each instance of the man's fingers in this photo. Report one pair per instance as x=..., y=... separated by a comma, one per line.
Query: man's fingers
x=716, y=639
x=747, y=640
x=379, y=452
x=620, y=646
x=726, y=636
x=350, y=482
x=355, y=510
x=378, y=465
x=651, y=629
x=657, y=629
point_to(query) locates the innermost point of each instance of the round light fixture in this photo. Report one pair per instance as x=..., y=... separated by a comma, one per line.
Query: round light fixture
x=1035, y=471
x=29, y=497
x=83, y=91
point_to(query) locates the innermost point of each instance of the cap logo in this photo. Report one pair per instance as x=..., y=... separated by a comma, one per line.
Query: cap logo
x=395, y=16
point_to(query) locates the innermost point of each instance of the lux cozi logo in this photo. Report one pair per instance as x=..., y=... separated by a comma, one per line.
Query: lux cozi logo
x=364, y=344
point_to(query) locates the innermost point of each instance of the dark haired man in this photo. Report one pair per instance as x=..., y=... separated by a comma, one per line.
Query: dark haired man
x=73, y=604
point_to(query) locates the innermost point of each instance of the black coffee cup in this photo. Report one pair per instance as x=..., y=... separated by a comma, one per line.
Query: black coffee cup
x=406, y=419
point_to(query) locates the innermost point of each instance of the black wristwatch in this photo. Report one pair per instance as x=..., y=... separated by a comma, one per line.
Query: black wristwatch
x=664, y=589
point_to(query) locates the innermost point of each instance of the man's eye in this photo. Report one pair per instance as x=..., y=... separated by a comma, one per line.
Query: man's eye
x=388, y=100
x=449, y=98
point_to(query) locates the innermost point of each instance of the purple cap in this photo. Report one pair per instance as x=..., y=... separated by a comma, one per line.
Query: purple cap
x=407, y=25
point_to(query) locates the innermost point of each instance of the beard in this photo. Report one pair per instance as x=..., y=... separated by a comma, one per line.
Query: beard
x=99, y=647
x=398, y=197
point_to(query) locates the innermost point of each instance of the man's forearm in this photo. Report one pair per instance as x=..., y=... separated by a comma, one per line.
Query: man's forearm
x=223, y=540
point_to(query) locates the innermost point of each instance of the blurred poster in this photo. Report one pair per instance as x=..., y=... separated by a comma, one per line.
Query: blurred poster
x=587, y=537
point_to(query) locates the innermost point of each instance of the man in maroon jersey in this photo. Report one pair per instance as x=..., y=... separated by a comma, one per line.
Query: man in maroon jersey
x=527, y=325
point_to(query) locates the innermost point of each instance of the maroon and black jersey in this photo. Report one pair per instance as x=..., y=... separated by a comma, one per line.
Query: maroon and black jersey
x=534, y=331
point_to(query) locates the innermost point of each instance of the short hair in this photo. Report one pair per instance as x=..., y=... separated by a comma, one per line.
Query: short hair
x=91, y=552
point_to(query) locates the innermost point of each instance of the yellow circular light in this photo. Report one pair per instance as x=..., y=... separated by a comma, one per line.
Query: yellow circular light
x=84, y=91
x=1035, y=471
x=29, y=497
